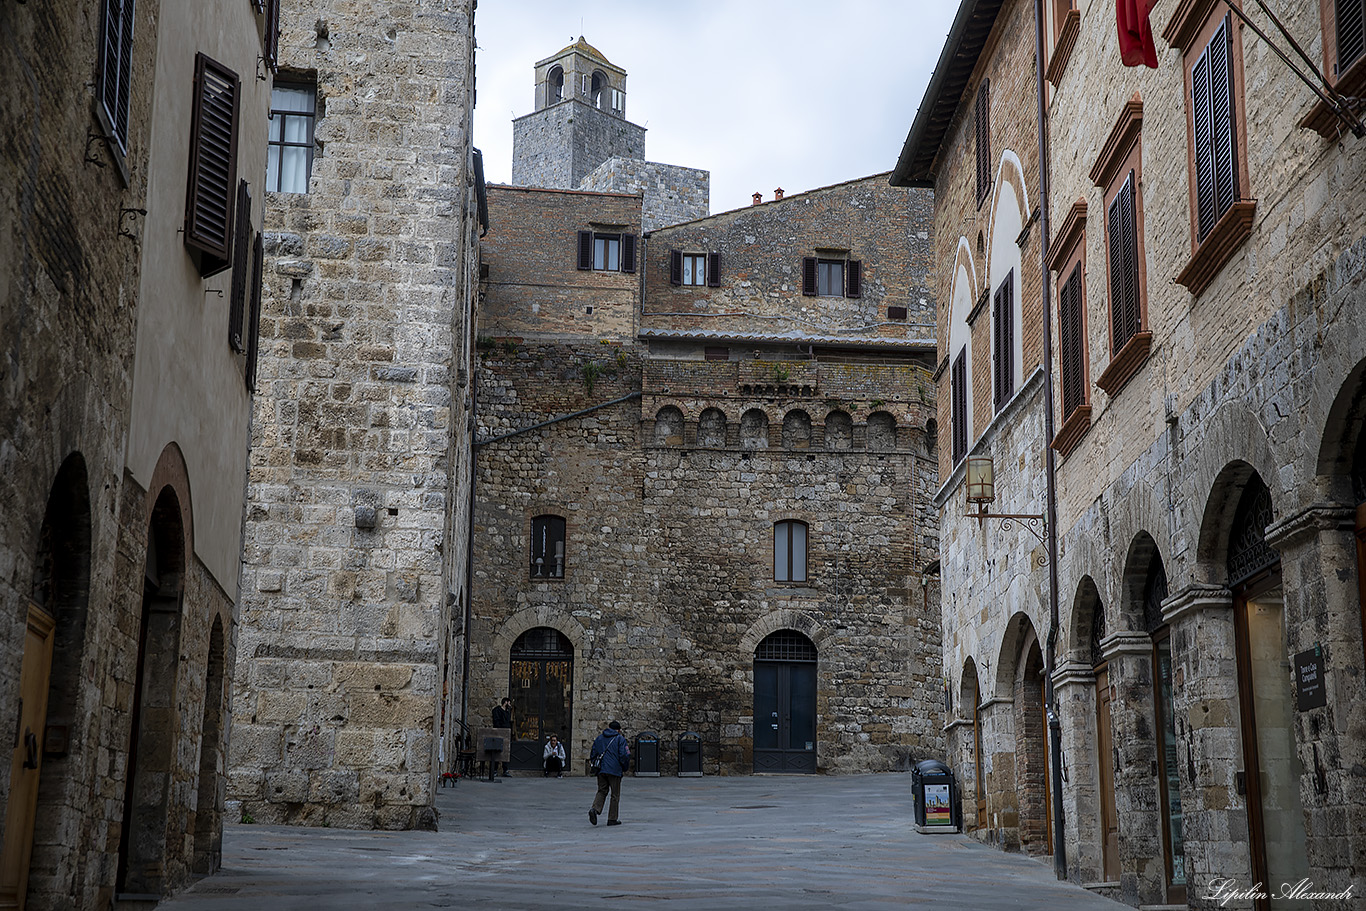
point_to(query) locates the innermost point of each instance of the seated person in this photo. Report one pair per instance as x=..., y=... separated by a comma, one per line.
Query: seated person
x=554, y=757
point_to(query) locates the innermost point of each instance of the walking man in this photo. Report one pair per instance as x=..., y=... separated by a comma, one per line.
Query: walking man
x=610, y=747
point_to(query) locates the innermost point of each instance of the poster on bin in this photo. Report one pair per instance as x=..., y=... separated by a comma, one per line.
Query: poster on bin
x=937, y=812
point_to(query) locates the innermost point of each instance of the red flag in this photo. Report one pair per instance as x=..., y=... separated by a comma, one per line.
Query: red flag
x=1135, y=34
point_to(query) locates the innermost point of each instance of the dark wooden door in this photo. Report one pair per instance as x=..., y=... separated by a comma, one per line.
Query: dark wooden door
x=541, y=685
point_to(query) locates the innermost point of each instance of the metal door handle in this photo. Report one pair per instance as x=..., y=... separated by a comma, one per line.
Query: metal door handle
x=30, y=749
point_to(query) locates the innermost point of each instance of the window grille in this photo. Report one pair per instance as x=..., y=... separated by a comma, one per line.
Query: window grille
x=785, y=645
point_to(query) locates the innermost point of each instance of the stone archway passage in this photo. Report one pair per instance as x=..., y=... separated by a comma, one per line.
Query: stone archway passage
x=541, y=685
x=785, y=703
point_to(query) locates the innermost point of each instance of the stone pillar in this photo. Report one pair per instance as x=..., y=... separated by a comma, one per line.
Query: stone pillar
x=1323, y=610
x=1129, y=660
x=1074, y=691
x=1205, y=693
x=997, y=719
x=958, y=755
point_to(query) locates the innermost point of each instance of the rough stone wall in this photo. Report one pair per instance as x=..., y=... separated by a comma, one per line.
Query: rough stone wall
x=670, y=193
x=353, y=560
x=669, y=580
x=533, y=284
x=762, y=247
x=560, y=145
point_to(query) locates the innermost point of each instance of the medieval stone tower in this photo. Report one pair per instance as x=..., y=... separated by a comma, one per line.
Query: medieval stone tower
x=578, y=138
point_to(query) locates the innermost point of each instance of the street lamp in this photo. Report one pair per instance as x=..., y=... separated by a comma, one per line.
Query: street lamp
x=981, y=491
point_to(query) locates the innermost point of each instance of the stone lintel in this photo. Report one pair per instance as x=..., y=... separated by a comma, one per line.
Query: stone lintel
x=1073, y=673
x=957, y=723
x=1195, y=598
x=1311, y=520
x=995, y=700
x=1126, y=643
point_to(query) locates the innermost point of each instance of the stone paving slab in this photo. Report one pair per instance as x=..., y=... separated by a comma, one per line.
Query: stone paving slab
x=795, y=842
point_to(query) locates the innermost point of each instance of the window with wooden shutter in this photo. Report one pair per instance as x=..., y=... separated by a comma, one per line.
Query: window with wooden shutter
x=1349, y=27
x=241, y=247
x=213, y=165
x=628, y=253
x=254, y=327
x=809, y=276
x=585, y=249
x=116, y=68
x=1003, y=341
x=675, y=267
x=272, y=37
x=958, y=381
x=714, y=270
x=982, y=117
x=1071, y=323
x=854, y=279
x=1122, y=234
x=1213, y=113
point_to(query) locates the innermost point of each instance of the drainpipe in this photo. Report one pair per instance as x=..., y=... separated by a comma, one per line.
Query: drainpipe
x=469, y=558
x=1050, y=459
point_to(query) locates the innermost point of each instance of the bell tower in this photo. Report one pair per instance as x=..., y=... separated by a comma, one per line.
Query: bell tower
x=578, y=123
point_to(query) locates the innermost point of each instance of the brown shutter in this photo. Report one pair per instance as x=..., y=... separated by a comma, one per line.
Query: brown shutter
x=585, y=249
x=628, y=253
x=714, y=270
x=1223, y=130
x=958, y=380
x=1350, y=31
x=854, y=279
x=272, y=43
x=213, y=165
x=809, y=275
x=983, y=124
x=241, y=247
x=254, y=330
x=1122, y=234
x=675, y=267
x=1202, y=121
x=116, y=66
x=1003, y=342
x=1070, y=329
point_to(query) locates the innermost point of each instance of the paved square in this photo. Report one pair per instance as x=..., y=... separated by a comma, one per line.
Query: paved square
x=710, y=843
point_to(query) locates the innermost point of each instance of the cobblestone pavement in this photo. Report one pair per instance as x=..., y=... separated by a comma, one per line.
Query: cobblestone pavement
x=790, y=842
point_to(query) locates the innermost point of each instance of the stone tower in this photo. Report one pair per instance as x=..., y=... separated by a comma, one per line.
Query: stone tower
x=579, y=122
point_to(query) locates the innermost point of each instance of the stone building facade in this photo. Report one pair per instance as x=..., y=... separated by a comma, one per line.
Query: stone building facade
x=128, y=278
x=578, y=137
x=1209, y=362
x=700, y=523
x=357, y=512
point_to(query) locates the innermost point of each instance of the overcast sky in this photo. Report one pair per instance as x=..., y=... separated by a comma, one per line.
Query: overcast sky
x=762, y=94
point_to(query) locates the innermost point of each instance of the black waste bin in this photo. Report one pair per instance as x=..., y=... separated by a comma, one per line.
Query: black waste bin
x=690, y=755
x=935, y=792
x=646, y=758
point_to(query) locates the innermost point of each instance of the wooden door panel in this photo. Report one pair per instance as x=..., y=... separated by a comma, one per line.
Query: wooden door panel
x=26, y=758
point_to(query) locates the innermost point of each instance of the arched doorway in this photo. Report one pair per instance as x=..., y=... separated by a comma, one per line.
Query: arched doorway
x=155, y=722
x=541, y=685
x=1031, y=751
x=1271, y=766
x=49, y=684
x=1164, y=719
x=208, y=829
x=971, y=699
x=785, y=703
x=1105, y=760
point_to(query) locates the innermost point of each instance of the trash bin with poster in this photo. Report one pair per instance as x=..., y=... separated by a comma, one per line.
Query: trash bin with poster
x=936, y=793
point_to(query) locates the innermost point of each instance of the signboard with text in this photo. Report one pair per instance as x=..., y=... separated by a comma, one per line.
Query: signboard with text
x=1310, y=692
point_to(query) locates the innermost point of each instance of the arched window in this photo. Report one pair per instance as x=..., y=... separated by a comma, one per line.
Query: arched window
x=547, y=547
x=711, y=429
x=554, y=85
x=839, y=430
x=797, y=430
x=881, y=432
x=754, y=429
x=669, y=427
x=596, y=86
x=789, y=551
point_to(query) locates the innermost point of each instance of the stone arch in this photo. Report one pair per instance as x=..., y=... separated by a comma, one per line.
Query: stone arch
x=669, y=426
x=171, y=471
x=962, y=296
x=881, y=432
x=969, y=690
x=1087, y=624
x=1019, y=681
x=796, y=429
x=61, y=587
x=599, y=84
x=783, y=618
x=839, y=430
x=1221, y=507
x=1018, y=630
x=554, y=84
x=711, y=429
x=754, y=429
x=583, y=723
x=1142, y=566
x=1009, y=214
x=1341, y=462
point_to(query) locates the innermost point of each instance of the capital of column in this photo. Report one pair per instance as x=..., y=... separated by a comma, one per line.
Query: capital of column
x=1308, y=522
x=1194, y=599
x=1073, y=673
x=1125, y=643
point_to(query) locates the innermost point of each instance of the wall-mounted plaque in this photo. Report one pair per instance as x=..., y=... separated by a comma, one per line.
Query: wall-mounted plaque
x=1310, y=692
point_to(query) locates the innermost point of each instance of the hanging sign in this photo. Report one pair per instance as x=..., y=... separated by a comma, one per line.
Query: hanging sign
x=1310, y=692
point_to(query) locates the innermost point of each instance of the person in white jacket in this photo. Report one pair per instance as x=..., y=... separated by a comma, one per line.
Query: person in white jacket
x=553, y=758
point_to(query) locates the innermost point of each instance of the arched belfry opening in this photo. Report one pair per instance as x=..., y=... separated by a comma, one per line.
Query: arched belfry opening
x=554, y=85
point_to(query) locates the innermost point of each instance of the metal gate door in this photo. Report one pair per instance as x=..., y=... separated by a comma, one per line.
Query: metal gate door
x=541, y=687
x=785, y=704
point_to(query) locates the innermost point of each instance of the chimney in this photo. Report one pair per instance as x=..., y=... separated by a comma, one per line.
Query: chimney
x=778, y=193
x=758, y=198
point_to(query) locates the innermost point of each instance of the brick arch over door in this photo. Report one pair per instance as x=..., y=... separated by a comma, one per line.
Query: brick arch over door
x=172, y=472
x=500, y=663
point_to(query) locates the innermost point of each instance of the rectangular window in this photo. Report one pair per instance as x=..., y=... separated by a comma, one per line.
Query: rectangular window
x=237, y=299
x=896, y=313
x=829, y=278
x=716, y=353
x=116, y=68
x=213, y=165
x=271, y=46
x=832, y=277
x=1349, y=20
x=694, y=269
x=789, y=551
x=254, y=326
x=607, y=252
x=958, y=380
x=1072, y=322
x=1003, y=341
x=1121, y=225
x=1214, y=112
x=547, y=547
x=982, y=119
x=289, y=154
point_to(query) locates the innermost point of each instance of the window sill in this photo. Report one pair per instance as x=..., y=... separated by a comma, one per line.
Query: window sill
x=1072, y=430
x=1223, y=241
x=1126, y=362
x=1062, y=48
x=1321, y=118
